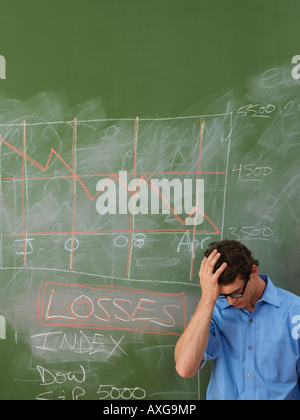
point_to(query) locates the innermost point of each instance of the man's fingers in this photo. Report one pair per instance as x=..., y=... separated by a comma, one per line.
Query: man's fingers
x=221, y=270
x=202, y=265
x=208, y=264
x=214, y=260
x=212, y=255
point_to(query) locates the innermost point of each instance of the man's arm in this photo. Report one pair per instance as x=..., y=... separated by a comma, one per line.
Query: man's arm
x=191, y=346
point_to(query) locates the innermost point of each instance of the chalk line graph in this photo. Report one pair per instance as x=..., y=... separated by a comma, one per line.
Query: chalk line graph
x=79, y=180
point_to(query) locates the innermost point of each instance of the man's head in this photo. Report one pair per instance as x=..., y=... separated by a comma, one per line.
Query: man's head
x=240, y=278
x=238, y=258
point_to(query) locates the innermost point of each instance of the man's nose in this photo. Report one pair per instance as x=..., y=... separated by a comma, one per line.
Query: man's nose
x=230, y=300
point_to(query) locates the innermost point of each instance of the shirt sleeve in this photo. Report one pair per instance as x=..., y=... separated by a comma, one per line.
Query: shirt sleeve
x=213, y=347
x=298, y=362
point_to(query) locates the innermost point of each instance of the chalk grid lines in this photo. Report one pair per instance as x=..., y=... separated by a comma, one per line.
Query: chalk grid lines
x=77, y=179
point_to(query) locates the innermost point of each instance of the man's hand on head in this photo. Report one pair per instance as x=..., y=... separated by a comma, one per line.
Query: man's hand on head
x=209, y=279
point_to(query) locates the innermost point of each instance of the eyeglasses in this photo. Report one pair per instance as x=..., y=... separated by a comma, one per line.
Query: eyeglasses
x=236, y=295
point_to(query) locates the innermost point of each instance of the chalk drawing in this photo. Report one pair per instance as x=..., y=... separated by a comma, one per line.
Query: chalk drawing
x=2, y=328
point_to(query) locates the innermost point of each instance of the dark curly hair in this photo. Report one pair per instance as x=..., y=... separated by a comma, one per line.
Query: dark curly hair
x=238, y=258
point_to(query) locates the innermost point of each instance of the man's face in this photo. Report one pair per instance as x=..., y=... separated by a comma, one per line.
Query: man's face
x=237, y=287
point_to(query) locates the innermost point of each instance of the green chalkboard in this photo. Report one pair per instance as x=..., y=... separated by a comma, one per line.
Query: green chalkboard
x=132, y=134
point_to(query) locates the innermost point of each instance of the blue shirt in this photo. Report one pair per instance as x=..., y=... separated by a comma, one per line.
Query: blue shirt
x=256, y=356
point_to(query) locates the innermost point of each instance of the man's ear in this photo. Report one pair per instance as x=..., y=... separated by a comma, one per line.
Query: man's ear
x=254, y=271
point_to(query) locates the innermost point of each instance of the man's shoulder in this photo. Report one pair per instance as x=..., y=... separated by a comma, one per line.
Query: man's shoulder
x=288, y=299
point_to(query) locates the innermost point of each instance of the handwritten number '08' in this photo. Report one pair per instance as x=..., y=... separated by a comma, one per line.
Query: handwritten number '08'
x=121, y=241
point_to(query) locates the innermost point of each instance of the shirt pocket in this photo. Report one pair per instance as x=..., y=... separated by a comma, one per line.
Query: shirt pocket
x=276, y=362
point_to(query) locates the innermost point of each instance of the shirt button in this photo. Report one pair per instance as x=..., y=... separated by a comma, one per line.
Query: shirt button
x=250, y=348
x=249, y=375
x=251, y=321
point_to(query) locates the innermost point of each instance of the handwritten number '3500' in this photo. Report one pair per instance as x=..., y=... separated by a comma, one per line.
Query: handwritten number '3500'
x=251, y=232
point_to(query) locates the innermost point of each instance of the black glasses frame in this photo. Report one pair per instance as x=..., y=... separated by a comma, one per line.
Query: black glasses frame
x=236, y=295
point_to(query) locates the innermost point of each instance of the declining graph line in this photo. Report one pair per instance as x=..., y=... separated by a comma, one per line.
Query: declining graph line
x=113, y=177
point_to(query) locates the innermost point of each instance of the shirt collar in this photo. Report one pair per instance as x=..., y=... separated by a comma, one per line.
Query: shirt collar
x=270, y=295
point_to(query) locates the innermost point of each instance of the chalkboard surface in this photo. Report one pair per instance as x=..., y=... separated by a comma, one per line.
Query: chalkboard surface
x=133, y=134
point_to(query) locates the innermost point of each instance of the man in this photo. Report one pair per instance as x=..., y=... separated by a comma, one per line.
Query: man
x=249, y=327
